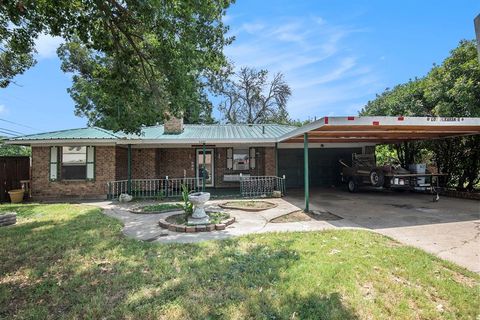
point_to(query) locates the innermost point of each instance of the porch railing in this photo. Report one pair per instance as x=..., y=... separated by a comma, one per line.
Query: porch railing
x=261, y=186
x=153, y=188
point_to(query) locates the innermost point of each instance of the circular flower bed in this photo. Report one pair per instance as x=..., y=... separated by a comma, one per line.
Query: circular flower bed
x=248, y=205
x=177, y=222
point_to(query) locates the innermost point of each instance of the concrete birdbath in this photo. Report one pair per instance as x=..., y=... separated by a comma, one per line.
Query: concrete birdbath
x=198, y=200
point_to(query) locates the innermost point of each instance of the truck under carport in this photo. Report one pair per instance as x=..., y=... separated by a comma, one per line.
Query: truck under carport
x=310, y=150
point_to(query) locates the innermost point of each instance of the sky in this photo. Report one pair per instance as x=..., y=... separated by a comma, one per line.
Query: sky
x=335, y=55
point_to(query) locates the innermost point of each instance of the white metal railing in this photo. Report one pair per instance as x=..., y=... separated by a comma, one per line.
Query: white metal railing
x=153, y=188
x=259, y=186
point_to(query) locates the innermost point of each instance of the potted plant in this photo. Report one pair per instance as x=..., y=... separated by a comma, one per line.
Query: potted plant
x=16, y=195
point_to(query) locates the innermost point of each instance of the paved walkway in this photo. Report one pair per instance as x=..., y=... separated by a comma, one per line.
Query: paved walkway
x=145, y=226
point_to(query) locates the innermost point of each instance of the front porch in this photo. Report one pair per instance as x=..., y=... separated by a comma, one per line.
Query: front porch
x=249, y=187
x=158, y=172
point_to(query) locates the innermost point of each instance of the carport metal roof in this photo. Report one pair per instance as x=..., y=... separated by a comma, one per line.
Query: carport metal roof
x=382, y=129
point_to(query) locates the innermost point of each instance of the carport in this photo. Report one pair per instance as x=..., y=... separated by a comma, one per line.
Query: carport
x=361, y=133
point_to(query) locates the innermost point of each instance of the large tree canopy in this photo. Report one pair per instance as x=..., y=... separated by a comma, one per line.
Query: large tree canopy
x=131, y=60
x=451, y=89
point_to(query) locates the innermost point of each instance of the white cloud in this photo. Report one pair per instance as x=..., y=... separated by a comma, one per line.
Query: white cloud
x=252, y=27
x=327, y=75
x=47, y=45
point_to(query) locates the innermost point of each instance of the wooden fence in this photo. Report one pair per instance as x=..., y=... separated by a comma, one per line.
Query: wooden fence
x=12, y=171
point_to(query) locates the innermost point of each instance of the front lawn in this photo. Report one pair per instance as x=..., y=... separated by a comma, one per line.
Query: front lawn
x=70, y=261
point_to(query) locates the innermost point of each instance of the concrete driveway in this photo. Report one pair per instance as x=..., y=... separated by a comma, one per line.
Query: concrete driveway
x=449, y=228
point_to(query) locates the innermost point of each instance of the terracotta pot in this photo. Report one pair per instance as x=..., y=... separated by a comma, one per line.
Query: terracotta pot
x=16, y=195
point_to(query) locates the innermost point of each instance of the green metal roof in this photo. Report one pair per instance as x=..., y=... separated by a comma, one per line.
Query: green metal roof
x=218, y=132
x=71, y=134
x=214, y=132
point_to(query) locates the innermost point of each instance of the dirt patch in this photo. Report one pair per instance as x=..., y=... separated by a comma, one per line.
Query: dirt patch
x=295, y=216
x=368, y=291
x=298, y=216
x=250, y=205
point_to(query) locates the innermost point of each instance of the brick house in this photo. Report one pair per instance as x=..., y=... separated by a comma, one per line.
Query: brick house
x=94, y=163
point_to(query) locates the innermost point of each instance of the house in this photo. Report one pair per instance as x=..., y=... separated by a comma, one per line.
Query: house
x=96, y=163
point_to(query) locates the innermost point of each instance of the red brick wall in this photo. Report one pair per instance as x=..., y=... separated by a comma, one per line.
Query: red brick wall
x=43, y=188
x=121, y=163
x=144, y=163
x=270, y=166
x=173, y=161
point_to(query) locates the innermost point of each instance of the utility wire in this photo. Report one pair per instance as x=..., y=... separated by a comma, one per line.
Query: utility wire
x=19, y=124
x=13, y=131
x=7, y=133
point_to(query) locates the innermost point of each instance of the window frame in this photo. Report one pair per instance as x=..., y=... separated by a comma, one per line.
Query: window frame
x=59, y=164
x=246, y=152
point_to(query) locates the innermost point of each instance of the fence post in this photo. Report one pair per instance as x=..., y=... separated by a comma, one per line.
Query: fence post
x=166, y=186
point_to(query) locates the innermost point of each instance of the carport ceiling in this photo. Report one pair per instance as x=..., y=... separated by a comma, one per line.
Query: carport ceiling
x=382, y=129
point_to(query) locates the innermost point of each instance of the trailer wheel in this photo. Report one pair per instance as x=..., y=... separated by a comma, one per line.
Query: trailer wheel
x=352, y=186
x=377, y=178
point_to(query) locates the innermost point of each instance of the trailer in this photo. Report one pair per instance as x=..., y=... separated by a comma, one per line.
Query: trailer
x=365, y=172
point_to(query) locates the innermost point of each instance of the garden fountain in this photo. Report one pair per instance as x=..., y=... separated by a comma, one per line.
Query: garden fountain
x=199, y=216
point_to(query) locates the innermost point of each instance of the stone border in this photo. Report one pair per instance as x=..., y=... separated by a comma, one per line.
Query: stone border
x=8, y=218
x=224, y=206
x=191, y=229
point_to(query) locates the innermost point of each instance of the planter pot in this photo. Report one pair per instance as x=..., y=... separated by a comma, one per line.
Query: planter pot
x=16, y=195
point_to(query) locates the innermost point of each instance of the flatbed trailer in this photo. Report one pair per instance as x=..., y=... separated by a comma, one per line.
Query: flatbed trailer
x=364, y=171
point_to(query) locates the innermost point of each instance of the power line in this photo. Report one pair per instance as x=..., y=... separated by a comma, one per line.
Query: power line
x=7, y=133
x=12, y=131
x=19, y=124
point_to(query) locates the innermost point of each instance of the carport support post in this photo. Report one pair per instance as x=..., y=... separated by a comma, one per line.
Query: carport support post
x=276, y=159
x=129, y=169
x=306, y=174
x=203, y=167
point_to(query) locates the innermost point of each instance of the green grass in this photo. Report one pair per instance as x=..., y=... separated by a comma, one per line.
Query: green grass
x=217, y=217
x=70, y=261
x=160, y=207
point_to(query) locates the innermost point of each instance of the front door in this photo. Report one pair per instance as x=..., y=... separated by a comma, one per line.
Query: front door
x=209, y=165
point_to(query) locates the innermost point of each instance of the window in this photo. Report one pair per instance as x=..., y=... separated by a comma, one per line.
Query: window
x=240, y=159
x=74, y=163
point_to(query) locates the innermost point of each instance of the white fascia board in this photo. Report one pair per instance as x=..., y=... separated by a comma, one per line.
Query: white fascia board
x=326, y=145
x=195, y=141
x=197, y=145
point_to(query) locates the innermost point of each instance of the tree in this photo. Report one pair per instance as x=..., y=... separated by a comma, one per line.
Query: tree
x=249, y=97
x=131, y=60
x=12, y=150
x=403, y=100
x=451, y=89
